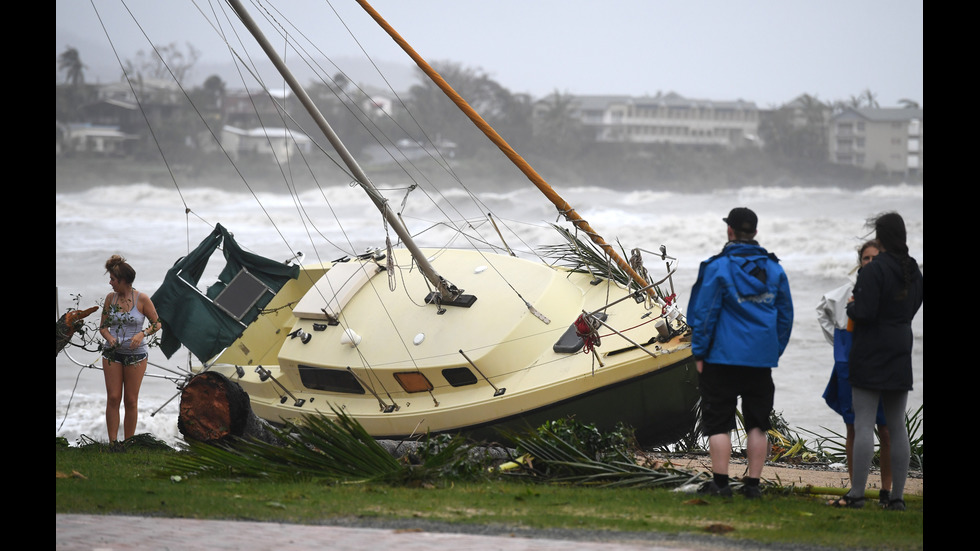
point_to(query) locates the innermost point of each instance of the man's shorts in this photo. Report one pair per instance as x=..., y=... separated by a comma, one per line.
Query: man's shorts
x=721, y=385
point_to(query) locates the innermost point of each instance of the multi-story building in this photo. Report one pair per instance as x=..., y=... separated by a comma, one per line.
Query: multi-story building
x=669, y=118
x=888, y=140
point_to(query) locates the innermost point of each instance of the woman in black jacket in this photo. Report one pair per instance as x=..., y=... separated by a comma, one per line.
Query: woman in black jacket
x=887, y=295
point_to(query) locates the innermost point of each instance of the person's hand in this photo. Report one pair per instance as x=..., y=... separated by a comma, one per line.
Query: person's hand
x=136, y=340
x=700, y=364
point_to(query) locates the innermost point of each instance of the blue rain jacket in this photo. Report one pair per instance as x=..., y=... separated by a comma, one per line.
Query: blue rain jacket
x=740, y=310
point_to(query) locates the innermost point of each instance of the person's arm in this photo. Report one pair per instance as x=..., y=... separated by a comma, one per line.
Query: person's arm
x=703, y=312
x=103, y=328
x=784, y=313
x=867, y=293
x=149, y=311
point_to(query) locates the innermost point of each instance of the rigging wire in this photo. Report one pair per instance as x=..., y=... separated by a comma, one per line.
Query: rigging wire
x=297, y=200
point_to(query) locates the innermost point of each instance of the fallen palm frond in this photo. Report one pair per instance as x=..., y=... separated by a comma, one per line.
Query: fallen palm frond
x=784, y=444
x=583, y=256
x=321, y=448
x=565, y=451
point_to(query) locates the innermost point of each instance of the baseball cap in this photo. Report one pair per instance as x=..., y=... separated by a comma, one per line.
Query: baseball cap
x=742, y=219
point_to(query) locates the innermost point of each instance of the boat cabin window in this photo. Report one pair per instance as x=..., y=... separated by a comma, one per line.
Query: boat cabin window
x=413, y=381
x=241, y=294
x=459, y=376
x=330, y=380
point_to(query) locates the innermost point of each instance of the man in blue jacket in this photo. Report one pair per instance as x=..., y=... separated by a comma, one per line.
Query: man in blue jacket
x=741, y=313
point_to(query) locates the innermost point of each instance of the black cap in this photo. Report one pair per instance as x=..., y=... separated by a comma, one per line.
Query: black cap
x=742, y=220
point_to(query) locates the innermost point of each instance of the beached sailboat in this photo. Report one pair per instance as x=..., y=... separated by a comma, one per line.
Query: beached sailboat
x=410, y=340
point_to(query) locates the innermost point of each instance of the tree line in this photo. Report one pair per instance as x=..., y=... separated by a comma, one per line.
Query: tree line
x=546, y=129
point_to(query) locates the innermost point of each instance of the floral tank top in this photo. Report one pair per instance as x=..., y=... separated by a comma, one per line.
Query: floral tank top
x=125, y=325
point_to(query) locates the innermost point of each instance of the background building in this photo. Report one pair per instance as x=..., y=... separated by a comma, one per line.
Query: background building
x=879, y=139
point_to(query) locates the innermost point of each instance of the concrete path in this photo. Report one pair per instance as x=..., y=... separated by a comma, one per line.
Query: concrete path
x=125, y=533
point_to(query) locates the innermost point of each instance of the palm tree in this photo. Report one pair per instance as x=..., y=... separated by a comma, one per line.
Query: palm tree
x=870, y=98
x=557, y=128
x=909, y=104
x=70, y=62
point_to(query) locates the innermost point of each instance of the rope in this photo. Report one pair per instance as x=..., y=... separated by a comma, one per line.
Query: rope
x=587, y=329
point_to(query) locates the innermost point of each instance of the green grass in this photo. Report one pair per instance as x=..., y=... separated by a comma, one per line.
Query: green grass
x=137, y=482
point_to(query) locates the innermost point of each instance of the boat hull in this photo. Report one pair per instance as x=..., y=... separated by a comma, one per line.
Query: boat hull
x=660, y=406
x=492, y=367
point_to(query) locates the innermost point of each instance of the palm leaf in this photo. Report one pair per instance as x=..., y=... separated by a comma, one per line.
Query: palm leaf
x=318, y=447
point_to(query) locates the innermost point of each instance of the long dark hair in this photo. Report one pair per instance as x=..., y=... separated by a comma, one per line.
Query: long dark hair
x=890, y=232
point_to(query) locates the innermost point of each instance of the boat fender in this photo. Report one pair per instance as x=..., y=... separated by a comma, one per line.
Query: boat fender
x=350, y=337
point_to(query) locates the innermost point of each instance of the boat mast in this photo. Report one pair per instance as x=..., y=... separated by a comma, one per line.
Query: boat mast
x=563, y=207
x=447, y=291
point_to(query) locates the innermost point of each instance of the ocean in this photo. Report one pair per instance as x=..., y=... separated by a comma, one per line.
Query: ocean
x=813, y=230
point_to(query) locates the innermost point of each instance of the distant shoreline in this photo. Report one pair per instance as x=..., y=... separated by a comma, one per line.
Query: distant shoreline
x=689, y=173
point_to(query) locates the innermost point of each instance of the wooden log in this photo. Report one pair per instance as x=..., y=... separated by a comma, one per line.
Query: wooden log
x=66, y=326
x=213, y=407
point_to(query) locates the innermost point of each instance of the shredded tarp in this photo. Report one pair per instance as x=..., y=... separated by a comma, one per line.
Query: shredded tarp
x=190, y=317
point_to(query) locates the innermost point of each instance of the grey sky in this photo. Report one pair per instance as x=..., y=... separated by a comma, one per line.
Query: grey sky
x=766, y=51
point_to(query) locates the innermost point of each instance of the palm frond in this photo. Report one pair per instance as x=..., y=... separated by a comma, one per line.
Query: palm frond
x=318, y=447
x=584, y=256
x=565, y=451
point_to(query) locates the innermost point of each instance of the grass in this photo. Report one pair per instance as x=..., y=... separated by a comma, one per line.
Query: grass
x=142, y=480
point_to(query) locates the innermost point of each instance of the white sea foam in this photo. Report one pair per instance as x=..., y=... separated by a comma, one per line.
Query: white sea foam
x=813, y=230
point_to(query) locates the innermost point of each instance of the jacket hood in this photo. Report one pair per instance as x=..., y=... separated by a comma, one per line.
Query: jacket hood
x=749, y=269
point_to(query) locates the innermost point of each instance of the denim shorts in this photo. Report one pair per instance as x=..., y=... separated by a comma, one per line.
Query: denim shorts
x=114, y=356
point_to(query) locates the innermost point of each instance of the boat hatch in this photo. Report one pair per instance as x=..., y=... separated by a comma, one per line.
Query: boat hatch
x=413, y=381
x=334, y=290
x=459, y=376
x=330, y=380
x=570, y=342
x=241, y=294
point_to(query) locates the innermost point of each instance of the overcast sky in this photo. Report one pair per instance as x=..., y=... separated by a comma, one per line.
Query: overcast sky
x=765, y=51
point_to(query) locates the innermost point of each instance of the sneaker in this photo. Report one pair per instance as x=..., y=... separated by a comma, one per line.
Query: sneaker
x=883, y=497
x=751, y=492
x=896, y=505
x=713, y=489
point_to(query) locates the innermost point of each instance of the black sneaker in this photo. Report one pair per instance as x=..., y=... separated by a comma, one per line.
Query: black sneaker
x=883, y=497
x=896, y=505
x=712, y=489
x=751, y=492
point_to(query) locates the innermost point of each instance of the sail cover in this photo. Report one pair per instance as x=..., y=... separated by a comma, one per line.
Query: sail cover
x=207, y=322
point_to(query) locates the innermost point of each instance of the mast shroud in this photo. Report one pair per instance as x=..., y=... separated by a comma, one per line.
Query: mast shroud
x=446, y=290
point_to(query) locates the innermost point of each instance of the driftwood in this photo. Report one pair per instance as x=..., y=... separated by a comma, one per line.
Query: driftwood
x=213, y=407
x=66, y=326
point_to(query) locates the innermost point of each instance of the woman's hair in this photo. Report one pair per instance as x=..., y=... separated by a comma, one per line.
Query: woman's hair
x=890, y=232
x=117, y=267
x=871, y=243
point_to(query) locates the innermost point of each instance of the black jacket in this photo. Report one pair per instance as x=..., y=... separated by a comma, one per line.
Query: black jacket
x=881, y=357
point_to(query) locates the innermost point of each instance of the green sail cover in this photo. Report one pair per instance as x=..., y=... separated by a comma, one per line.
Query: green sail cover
x=191, y=318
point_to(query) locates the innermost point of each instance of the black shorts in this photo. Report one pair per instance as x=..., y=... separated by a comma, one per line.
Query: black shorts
x=721, y=385
x=126, y=359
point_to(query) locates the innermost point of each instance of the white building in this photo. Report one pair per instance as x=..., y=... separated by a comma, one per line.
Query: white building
x=668, y=118
x=888, y=139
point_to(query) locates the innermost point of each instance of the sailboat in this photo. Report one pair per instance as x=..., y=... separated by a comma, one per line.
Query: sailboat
x=409, y=340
